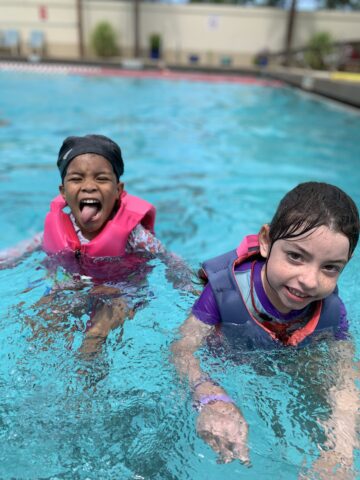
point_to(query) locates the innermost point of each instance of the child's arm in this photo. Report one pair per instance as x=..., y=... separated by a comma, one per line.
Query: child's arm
x=220, y=422
x=11, y=255
x=342, y=427
x=178, y=272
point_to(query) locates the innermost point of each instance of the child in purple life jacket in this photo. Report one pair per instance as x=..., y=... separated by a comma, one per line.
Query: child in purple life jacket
x=277, y=290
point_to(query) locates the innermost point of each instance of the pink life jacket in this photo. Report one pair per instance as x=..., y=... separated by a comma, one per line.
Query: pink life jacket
x=60, y=235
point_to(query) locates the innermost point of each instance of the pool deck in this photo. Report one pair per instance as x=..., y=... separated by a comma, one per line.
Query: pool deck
x=340, y=86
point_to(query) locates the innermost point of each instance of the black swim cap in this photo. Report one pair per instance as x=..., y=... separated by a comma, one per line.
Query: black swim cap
x=99, y=144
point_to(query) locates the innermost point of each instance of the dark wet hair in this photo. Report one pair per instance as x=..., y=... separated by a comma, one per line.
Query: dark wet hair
x=311, y=205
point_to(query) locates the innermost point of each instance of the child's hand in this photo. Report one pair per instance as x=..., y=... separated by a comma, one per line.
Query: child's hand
x=222, y=426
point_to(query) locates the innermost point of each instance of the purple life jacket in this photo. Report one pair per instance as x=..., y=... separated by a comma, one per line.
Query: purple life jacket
x=239, y=325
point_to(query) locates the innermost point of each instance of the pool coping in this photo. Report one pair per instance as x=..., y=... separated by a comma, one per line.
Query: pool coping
x=338, y=86
x=113, y=70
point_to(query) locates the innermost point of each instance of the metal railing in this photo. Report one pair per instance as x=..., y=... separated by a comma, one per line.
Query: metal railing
x=340, y=56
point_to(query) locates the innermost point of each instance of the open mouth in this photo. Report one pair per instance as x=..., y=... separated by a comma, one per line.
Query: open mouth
x=297, y=293
x=89, y=209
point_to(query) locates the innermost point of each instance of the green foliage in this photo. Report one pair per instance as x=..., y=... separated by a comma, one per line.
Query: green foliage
x=155, y=41
x=341, y=4
x=103, y=40
x=155, y=46
x=320, y=45
x=273, y=3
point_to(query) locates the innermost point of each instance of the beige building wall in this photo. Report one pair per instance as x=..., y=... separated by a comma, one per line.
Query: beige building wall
x=212, y=32
x=59, y=24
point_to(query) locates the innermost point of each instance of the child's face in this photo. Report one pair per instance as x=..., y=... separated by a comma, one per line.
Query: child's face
x=302, y=270
x=91, y=189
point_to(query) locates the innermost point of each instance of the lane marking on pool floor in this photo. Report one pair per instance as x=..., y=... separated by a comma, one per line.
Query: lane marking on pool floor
x=164, y=74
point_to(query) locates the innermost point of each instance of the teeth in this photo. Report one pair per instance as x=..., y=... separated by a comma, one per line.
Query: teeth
x=90, y=202
x=298, y=294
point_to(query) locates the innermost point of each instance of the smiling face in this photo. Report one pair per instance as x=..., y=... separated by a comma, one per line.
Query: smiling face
x=304, y=269
x=91, y=190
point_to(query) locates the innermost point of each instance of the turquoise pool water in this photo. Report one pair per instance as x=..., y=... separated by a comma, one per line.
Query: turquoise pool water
x=215, y=159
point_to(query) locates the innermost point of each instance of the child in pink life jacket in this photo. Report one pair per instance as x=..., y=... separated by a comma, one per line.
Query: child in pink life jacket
x=104, y=220
x=107, y=234
x=276, y=290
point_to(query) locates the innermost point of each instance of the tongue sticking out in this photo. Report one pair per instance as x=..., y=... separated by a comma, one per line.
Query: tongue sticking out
x=88, y=213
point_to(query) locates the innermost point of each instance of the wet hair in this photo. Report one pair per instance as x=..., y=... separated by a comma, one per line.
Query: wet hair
x=311, y=205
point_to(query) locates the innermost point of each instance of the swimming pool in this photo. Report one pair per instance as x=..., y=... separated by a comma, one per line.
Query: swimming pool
x=215, y=158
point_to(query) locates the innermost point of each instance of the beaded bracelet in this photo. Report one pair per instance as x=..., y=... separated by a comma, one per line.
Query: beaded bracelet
x=206, y=399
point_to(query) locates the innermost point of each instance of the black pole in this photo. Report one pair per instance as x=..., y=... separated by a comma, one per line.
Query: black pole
x=80, y=28
x=290, y=32
x=136, y=28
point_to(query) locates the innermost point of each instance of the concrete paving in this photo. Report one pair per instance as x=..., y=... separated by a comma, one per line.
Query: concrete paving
x=341, y=86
